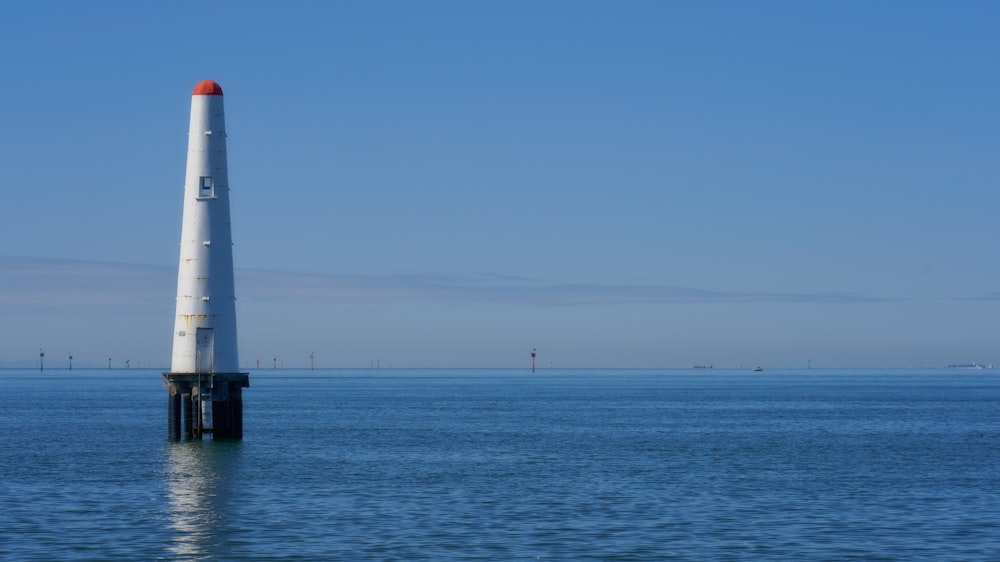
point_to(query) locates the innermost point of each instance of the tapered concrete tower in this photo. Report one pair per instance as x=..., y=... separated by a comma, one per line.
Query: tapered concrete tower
x=205, y=384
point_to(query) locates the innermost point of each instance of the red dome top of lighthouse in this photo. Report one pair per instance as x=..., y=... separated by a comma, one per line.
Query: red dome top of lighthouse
x=207, y=88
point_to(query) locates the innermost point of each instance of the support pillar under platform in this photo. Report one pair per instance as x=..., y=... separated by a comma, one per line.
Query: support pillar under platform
x=174, y=415
x=187, y=416
x=205, y=403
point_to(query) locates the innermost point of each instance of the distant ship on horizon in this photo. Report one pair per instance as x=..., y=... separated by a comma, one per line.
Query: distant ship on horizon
x=968, y=366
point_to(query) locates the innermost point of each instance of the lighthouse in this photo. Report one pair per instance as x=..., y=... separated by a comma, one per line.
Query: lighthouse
x=204, y=382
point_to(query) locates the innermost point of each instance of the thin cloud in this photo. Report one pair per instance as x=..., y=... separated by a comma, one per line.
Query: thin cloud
x=35, y=283
x=31, y=283
x=273, y=285
x=986, y=297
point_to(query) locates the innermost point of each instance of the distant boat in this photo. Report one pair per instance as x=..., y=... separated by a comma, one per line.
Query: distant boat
x=965, y=366
x=702, y=366
x=758, y=369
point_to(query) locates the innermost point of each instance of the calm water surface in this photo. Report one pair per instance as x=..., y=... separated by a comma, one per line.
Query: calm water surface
x=503, y=465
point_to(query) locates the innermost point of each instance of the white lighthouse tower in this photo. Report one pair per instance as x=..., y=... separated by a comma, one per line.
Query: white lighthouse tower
x=204, y=379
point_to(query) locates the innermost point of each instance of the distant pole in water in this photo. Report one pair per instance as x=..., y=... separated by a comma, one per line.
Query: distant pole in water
x=533, y=360
x=205, y=383
x=109, y=361
x=41, y=360
x=312, y=364
x=70, y=361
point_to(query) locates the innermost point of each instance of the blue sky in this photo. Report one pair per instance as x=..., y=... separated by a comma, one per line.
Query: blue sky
x=634, y=184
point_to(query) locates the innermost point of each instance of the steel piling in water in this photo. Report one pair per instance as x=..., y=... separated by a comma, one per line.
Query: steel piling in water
x=174, y=415
x=201, y=404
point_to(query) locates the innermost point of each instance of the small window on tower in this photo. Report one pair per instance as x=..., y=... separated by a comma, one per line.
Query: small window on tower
x=205, y=189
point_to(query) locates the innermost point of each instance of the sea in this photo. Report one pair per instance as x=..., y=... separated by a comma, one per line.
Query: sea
x=503, y=464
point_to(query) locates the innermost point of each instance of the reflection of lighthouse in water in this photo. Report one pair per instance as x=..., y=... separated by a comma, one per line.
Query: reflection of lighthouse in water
x=204, y=379
x=201, y=490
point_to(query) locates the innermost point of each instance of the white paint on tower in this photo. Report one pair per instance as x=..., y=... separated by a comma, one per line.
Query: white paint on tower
x=205, y=328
